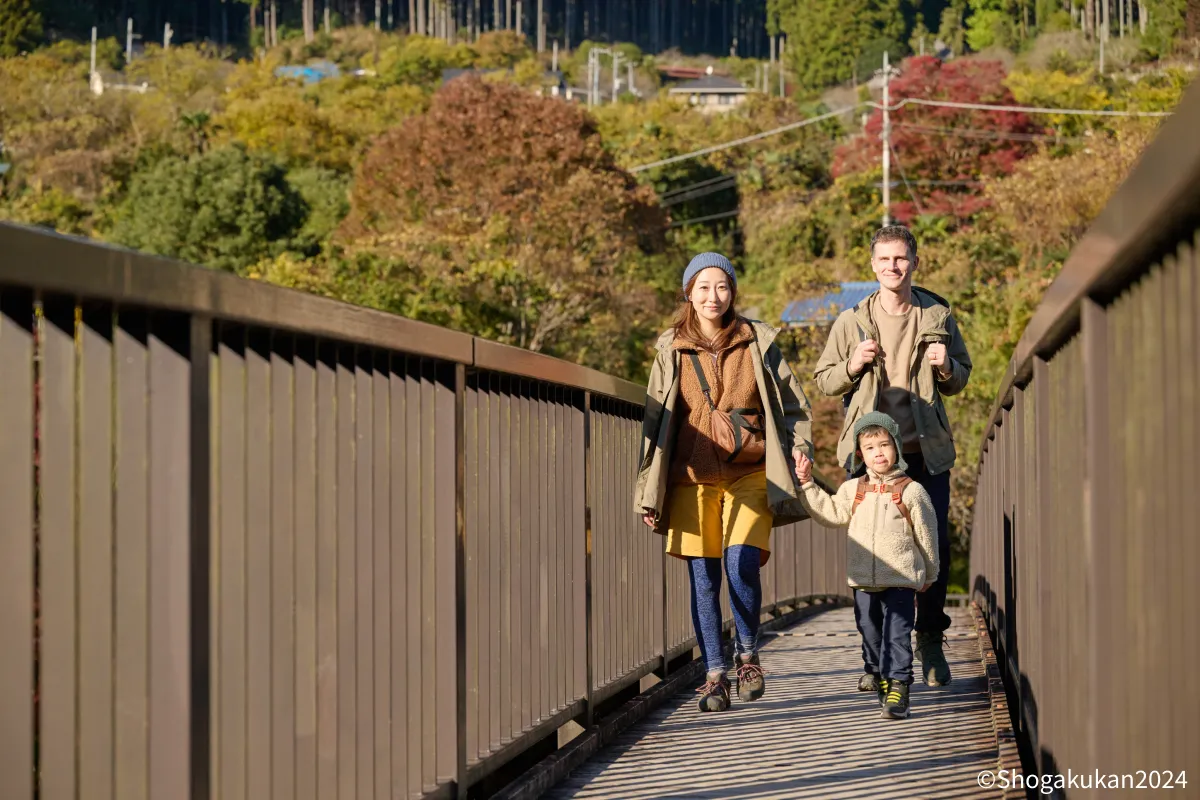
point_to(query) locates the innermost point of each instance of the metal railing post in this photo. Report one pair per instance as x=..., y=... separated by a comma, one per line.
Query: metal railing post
x=587, y=526
x=460, y=585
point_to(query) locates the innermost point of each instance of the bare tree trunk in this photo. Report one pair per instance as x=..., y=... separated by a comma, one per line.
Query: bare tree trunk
x=253, y=21
x=1143, y=17
x=520, y=20
x=308, y=10
x=1193, y=19
x=1089, y=17
x=421, y=17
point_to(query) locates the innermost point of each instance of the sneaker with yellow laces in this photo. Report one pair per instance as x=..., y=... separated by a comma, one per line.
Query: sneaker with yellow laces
x=895, y=705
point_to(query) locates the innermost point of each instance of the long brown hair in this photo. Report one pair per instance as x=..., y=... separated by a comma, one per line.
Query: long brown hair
x=687, y=321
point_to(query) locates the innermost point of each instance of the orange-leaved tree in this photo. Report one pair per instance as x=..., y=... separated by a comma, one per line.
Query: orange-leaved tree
x=514, y=220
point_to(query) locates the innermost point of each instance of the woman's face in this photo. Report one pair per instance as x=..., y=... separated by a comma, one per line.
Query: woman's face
x=711, y=294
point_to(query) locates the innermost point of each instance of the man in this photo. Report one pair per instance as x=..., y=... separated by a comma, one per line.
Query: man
x=899, y=351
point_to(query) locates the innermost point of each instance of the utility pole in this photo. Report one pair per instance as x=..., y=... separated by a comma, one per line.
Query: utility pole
x=616, y=75
x=887, y=144
x=782, y=92
x=541, y=26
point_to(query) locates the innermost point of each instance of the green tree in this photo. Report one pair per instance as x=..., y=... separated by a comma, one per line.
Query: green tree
x=826, y=37
x=224, y=208
x=20, y=27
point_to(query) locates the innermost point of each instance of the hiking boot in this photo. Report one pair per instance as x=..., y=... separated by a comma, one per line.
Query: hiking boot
x=881, y=691
x=895, y=705
x=714, y=694
x=934, y=667
x=750, y=682
x=869, y=682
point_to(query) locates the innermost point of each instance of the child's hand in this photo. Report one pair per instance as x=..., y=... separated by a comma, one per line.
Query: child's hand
x=803, y=469
x=648, y=519
x=926, y=586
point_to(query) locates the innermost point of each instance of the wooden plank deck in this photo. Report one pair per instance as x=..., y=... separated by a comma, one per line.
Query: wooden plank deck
x=812, y=735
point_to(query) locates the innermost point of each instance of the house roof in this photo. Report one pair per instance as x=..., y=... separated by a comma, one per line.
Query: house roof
x=823, y=310
x=710, y=84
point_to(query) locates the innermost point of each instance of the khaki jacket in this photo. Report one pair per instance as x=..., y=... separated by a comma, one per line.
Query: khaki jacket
x=935, y=324
x=788, y=427
x=882, y=549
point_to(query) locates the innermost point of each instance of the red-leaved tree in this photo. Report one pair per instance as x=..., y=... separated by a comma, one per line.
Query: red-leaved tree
x=944, y=152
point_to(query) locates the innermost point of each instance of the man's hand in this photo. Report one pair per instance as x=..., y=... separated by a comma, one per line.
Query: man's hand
x=648, y=519
x=864, y=354
x=936, y=353
x=925, y=587
x=803, y=469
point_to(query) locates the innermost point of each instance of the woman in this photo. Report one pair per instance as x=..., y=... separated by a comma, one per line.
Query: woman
x=710, y=494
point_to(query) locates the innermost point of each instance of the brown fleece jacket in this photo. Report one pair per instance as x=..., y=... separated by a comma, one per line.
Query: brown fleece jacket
x=732, y=385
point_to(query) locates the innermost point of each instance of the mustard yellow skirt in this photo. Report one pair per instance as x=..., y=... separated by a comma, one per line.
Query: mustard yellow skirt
x=704, y=520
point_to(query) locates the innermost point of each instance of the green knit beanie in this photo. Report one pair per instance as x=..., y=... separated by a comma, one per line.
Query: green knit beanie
x=888, y=424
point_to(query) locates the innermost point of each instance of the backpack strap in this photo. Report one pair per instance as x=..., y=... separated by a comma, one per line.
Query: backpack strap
x=896, y=490
x=898, y=497
x=860, y=494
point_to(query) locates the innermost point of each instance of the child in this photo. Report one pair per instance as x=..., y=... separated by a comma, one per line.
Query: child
x=891, y=553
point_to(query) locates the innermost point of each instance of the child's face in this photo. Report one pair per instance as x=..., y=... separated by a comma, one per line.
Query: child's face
x=878, y=452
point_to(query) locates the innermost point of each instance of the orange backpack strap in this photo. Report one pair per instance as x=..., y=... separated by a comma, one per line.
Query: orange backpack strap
x=898, y=497
x=860, y=494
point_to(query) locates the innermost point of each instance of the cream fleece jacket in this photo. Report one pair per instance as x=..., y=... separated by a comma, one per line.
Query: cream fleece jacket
x=882, y=549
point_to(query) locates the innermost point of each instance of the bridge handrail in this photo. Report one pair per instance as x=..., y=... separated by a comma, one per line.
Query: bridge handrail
x=1082, y=539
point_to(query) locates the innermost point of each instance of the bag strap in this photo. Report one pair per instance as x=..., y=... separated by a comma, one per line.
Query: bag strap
x=898, y=497
x=895, y=489
x=704, y=387
x=860, y=494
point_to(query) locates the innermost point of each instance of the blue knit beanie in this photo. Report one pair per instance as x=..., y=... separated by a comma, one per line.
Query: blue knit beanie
x=703, y=262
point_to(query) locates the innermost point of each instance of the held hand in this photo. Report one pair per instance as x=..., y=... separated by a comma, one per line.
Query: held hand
x=925, y=587
x=936, y=353
x=863, y=354
x=648, y=519
x=803, y=469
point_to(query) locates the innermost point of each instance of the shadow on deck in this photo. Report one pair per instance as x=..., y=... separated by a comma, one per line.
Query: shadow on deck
x=813, y=735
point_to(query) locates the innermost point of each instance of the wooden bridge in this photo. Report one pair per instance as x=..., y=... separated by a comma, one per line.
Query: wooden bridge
x=259, y=544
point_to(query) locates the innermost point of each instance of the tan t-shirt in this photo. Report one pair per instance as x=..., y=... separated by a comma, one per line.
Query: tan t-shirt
x=897, y=337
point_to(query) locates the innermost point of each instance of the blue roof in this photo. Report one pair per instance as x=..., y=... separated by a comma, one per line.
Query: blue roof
x=825, y=309
x=311, y=73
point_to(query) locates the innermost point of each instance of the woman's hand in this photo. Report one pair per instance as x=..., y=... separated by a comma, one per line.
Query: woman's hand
x=803, y=469
x=648, y=519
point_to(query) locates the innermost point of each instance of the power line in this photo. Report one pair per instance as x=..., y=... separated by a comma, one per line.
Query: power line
x=698, y=193
x=903, y=177
x=1078, y=112
x=979, y=133
x=723, y=177
x=744, y=140
x=1071, y=112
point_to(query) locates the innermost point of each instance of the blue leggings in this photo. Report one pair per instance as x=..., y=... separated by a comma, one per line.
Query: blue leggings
x=742, y=564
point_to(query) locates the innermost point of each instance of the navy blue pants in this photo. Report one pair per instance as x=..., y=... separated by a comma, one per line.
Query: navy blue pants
x=931, y=604
x=885, y=620
x=742, y=565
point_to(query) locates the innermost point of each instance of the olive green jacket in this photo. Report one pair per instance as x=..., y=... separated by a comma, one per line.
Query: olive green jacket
x=788, y=428
x=934, y=324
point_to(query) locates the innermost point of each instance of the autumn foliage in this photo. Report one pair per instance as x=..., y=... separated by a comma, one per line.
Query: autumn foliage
x=510, y=202
x=946, y=145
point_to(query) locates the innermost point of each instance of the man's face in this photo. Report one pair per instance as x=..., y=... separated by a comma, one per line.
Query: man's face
x=891, y=265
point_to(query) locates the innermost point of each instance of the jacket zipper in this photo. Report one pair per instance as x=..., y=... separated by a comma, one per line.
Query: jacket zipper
x=874, y=532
